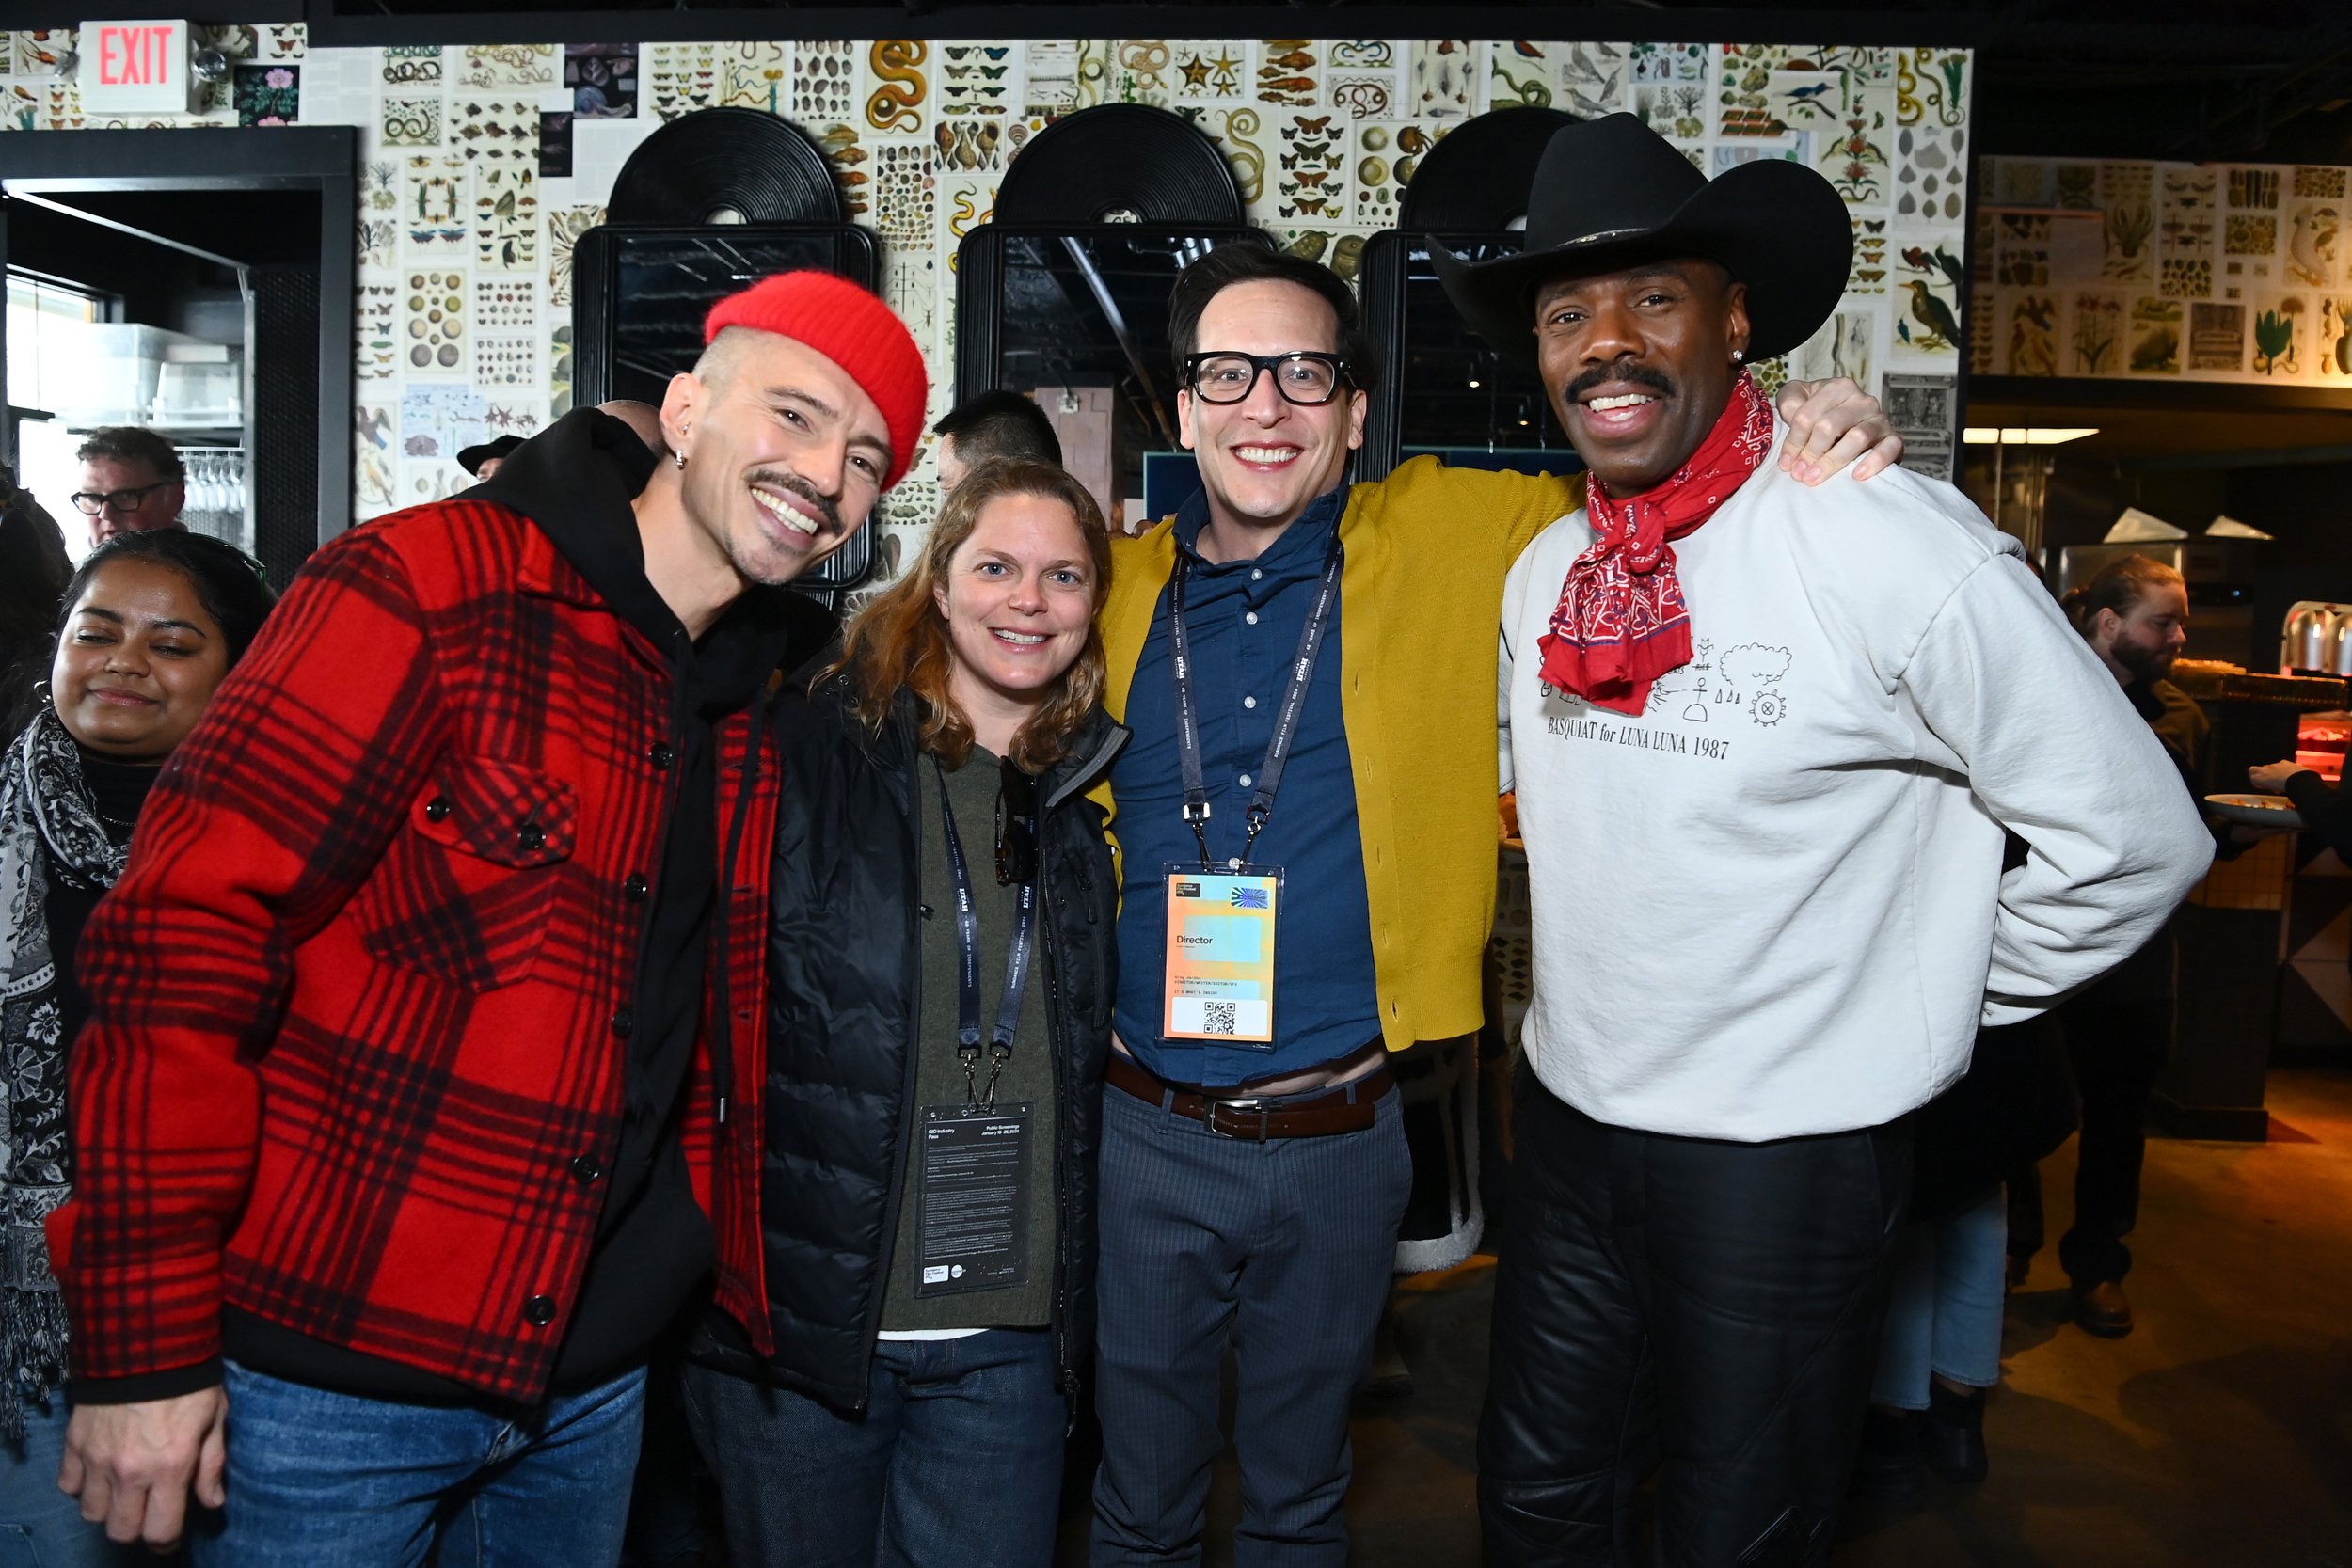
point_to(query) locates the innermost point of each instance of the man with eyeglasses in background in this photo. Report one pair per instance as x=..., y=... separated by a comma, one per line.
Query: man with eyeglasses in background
x=1333, y=782
x=132, y=483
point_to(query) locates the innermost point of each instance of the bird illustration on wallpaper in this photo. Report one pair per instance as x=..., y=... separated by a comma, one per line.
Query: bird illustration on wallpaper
x=2033, y=336
x=1935, y=293
x=1933, y=326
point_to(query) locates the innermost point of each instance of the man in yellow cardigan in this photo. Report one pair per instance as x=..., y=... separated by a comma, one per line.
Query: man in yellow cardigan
x=1305, y=828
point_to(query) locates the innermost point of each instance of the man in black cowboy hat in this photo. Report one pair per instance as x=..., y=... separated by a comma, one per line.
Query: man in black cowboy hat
x=1767, y=740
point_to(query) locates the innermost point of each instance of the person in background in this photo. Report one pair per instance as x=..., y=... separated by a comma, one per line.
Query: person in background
x=483, y=461
x=2325, y=809
x=910, y=1416
x=14, y=498
x=132, y=481
x=643, y=418
x=34, y=569
x=993, y=424
x=1940, y=1348
x=417, y=1097
x=151, y=622
x=2134, y=613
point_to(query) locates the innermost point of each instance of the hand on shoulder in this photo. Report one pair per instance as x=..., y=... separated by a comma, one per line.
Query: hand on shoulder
x=1831, y=424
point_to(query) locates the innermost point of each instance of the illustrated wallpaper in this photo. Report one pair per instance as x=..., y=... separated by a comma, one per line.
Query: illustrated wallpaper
x=484, y=163
x=2191, y=272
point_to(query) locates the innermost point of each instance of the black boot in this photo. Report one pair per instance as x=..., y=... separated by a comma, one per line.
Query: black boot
x=2103, y=1308
x=1951, y=1439
x=1887, y=1471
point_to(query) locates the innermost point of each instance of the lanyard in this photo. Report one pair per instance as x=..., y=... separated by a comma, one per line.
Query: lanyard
x=1277, y=746
x=968, y=966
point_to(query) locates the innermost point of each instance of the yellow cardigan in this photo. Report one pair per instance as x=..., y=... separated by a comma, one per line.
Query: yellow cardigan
x=1421, y=610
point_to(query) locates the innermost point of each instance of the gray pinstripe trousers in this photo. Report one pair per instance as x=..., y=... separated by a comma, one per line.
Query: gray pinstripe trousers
x=1285, y=1251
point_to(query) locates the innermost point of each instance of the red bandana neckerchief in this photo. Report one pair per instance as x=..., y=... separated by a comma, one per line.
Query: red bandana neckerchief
x=1621, y=621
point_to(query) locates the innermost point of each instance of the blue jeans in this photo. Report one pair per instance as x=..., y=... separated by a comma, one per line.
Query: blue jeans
x=956, y=1463
x=320, y=1480
x=1284, y=1250
x=40, y=1526
x=1944, y=1306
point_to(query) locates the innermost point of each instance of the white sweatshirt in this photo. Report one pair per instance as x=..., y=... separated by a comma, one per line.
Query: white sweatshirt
x=1773, y=903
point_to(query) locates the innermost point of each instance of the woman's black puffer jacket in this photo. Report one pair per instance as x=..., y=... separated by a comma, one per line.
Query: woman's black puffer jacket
x=844, y=970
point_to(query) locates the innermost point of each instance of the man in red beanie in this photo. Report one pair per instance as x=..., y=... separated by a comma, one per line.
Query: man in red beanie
x=422, y=1085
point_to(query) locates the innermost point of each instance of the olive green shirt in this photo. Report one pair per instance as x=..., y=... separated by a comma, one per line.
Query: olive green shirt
x=939, y=1076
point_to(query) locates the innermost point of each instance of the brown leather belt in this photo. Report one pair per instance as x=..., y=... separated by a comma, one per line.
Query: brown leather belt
x=1343, y=1108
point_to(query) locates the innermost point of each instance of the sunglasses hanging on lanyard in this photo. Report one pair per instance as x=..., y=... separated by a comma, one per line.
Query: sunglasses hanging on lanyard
x=972, y=1174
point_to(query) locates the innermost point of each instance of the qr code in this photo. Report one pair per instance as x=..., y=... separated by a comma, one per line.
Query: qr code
x=1216, y=1017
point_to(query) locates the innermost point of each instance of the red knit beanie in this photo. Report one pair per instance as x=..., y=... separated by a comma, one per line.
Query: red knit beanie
x=852, y=328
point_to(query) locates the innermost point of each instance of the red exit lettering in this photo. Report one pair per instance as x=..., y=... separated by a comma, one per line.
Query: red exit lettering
x=134, y=57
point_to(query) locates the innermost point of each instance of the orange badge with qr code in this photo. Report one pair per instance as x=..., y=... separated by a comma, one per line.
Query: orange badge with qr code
x=1220, y=957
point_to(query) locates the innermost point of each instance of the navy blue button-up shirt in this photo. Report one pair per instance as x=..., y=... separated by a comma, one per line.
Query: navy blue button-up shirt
x=1245, y=617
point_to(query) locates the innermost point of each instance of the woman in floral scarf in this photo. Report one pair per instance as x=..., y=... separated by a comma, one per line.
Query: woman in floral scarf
x=151, y=622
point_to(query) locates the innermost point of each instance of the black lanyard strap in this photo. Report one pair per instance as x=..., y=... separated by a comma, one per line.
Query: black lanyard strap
x=968, y=965
x=1277, y=746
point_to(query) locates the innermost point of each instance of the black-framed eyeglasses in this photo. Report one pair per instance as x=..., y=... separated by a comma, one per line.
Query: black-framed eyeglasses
x=1016, y=827
x=1306, y=378
x=89, y=503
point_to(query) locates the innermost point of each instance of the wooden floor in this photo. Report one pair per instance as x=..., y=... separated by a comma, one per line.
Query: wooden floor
x=2219, y=1434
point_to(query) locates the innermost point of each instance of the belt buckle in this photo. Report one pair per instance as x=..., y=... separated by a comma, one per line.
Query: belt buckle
x=1253, y=1104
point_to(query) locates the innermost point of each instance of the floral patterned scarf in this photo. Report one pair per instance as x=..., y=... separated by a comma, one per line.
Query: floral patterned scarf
x=49, y=827
x=1621, y=621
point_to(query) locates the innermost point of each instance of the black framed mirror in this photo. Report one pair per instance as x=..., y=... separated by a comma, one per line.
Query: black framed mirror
x=1443, y=391
x=640, y=295
x=708, y=205
x=1076, y=315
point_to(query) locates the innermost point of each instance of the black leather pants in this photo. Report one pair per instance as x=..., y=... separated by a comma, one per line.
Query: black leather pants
x=1712, y=1307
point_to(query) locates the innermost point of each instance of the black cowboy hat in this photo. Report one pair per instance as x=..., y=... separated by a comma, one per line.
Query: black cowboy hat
x=472, y=458
x=1612, y=194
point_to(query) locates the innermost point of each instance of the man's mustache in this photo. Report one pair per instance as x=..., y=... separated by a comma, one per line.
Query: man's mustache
x=1622, y=371
x=807, y=491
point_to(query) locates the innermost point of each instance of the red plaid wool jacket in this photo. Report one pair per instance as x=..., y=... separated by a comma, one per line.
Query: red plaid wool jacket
x=353, y=996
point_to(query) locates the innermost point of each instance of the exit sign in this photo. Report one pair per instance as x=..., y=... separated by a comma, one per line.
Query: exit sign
x=135, y=68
